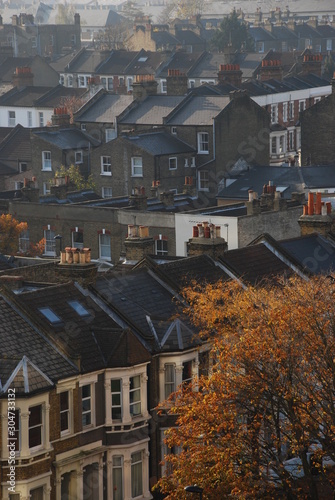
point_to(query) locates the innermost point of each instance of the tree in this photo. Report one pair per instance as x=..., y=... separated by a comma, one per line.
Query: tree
x=131, y=11
x=65, y=14
x=262, y=424
x=75, y=177
x=10, y=230
x=72, y=104
x=112, y=37
x=181, y=9
x=232, y=32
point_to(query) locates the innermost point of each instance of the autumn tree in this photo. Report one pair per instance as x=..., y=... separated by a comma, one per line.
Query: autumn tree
x=262, y=424
x=10, y=230
x=75, y=177
x=232, y=32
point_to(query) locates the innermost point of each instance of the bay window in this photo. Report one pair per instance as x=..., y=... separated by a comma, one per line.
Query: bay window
x=135, y=396
x=35, y=427
x=136, y=474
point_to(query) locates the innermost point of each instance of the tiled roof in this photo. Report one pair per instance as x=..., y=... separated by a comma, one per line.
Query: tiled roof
x=255, y=263
x=105, y=109
x=116, y=62
x=86, y=61
x=260, y=34
x=182, y=61
x=71, y=138
x=313, y=252
x=159, y=143
x=152, y=110
x=199, y=110
x=145, y=63
x=16, y=145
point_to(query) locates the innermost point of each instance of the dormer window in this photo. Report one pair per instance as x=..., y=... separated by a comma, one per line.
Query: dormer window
x=50, y=315
x=79, y=308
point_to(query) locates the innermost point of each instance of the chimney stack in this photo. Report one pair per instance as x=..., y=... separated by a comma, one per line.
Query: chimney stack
x=206, y=240
x=23, y=77
x=176, y=82
x=230, y=73
x=144, y=86
x=138, y=243
x=138, y=199
x=271, y=69
x=61, y=117
x=317, y=216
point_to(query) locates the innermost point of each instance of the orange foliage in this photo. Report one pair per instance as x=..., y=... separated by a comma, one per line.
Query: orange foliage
x=10, y=230
x=269, y=401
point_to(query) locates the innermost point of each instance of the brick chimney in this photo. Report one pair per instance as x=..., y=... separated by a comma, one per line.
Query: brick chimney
x=317, y=216
x=189, y=186
x=206, y=240
x=15, y=20
x=312, y=63
x=230, y=73
x=138, y=243
x=76, y=264
x=271, y=68
x=176, y=82
x=167, y=198
x=258, y=17
x=23, y=77
x=138, y=199
x=77, y=19
x=144, y=86
x=61, y=117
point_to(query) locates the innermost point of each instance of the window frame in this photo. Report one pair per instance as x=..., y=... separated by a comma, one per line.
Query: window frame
x=106, y=165
x=24, y=241
x=40, y=119
x=78, y=157
x=52, y=250
x=202, y=186
x=135, y=167
x=169, y=385
x=173, y=163
x=136, y=492
x=161, y=247
x=116, y=393
x=203, y=140
x=46, y=162
x=132, y=391
x=66, y=411
x=11, y=118
x=118, y=486
x=274, y=113
x=104, y=245
x=40, y=425
x=285, y=112
x=103, y=194
x=90, y=411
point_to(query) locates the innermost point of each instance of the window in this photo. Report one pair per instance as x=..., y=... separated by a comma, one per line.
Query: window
x=203, y=180
x=23, y=166
x=34, y=42
x=163, y=87
x=35, y=426
x=291, y=110
x=50, y=315
x=110, y=134
x=73, y=40
x=302, y=105
x=174, y=130
x=129, y=83
x=260, y=47
x=70, y=80
x=282, y=147
x=135, y=395
x=79, y=308
x=121, y=81
x=117, y=478
x=41, y=119
x=298, y=139
x=110, y=83
x=78, y=157
x=14, y=429
x=77, y=239
x=161, y=247
x=24, y=241
x=105, y=246
x=173, y=163
x=103, y=82
x=83, y=127
x=136, y=474
x=169, y=379
x=61, y=79
x=136, y=166
x=11, y=119
x=19, y=185
x=273, y=145
x=106, y=166
x=203, y=144
x=116, y=393
x=50, y=244
x=107, y=192
x=46, y=188
x=37, y=493
x=30, y=118
x=46, y=160
x=64, y=402
x=291, y=140
x=274, y=113
x=86, y=405
x=285, y=114
x=191, y=84
x=329, y=45
x=187, y=372
x=317, y=99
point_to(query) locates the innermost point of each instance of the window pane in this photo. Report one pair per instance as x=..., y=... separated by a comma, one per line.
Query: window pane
x=117, y=479
x=37, y=493
x=136, y=474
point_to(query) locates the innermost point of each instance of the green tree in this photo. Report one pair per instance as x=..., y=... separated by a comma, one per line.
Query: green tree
x=65, y=14
x=248, y=430
x=75, y=177
x=232, y=32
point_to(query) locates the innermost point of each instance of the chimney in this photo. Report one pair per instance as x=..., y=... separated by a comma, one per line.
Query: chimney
x=206, y=240
x=230, y=73
x=23, y=77
x=253, y=204
x=77, y=19
x=312, y=63
x=271, y=69
x=138, y=199
x=1, y=20
x=76, y=264
x=167, y=198
x=313, y=21
x=144, y=86
x=176, y=82
x=277, y=15
x=60, y=118
x=15, y=20
x=317, y=217
x=258, y=17
x=138, y=243
x=31, y=193
x=189, y=186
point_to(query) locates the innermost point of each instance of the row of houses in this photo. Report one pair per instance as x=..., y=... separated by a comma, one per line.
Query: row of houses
x=89, y=358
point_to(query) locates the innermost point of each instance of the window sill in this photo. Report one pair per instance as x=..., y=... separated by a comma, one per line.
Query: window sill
x=203, y=152
x=108, y=174
x=46, y=169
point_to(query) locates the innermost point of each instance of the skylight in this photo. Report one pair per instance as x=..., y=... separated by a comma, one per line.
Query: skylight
x=50, y=315
x=78, y=307
x=142, y=59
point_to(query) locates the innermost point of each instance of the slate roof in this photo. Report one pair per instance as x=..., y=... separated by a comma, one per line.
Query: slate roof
x=207, y=66
x=25, y=96
x=105, y=109
x=19, y=338
x=116, y=62
x=145, y=63
x=256, y=263
x=152, y=110
x=188, y=37
x=86, y=61
x=260, y=34
x=16, y=144
x=164, y=38
x=159, y=143
x=182, y=61
x=71, y=138
x=56, y=95
x=9, y=64
x=314, y=252
x=283, y=33
x=198, y=110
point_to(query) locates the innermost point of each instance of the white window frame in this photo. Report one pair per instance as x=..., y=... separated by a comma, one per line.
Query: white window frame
x=46, y=188
x=106, y=192
x=291, y=137
x=285, y=112
x=169, y=381
x=291, y=110
x=82, y=81
x=177, y=363
x=118, y=477
x=136, y=170
x=77, y=244
x=115, y=395
x=329, y=44
x=102, y=255
x=163, y=87
x=317, y=99
x=174, y=130
x=161, y=247
x=83, y=127
x=11, y=118
x=173, y=163
x=70, y=80
x=274, y=113
x=110, y=134
x=41, y=426
x=50, y=243
x=46, y=161
x=67, y=411
x=106, y=165
x=203, y=140
x=90, y=411
x=40, y=119
x=136, y=393
x=61, y=79
x=78, y=157
x=138, y=463
x=202, y=180
x=191, y=84
x=129, y=83
x=302, y=105
x=30, y=118
x=24, y=241
x=18, y=185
